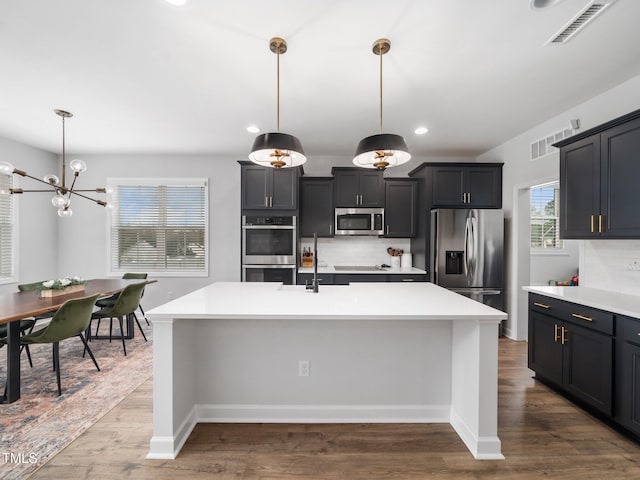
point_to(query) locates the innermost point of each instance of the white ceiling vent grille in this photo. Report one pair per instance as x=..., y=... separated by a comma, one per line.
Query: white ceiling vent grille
x=544, y=146
x=593, y=9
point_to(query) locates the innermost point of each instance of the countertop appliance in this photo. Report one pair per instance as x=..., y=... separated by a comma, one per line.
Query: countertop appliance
x=467, y=253
x=359, y=221
x=269, y=249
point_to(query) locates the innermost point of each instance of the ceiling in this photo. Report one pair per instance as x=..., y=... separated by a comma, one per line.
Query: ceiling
x=144, y=76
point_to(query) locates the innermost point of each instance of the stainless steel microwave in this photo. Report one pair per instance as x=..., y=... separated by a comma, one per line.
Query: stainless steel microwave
x=359, y=221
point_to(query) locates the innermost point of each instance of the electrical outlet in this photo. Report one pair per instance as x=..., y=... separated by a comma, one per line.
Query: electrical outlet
x=303, y=368
x=169, y=295
x=634, y=266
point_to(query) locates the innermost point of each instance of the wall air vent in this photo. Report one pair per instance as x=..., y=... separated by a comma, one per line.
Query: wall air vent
x=544, y=146
x=593, y=9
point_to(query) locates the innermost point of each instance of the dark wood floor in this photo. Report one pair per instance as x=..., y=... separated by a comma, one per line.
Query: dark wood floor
x=543, y=436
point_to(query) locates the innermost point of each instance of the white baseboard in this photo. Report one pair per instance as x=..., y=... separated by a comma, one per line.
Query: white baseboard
x=167, y=447
x=322, y=413
x=482, y=448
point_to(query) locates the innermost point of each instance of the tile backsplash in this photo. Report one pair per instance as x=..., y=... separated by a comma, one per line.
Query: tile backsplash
x=355, y=250
x=611, y=265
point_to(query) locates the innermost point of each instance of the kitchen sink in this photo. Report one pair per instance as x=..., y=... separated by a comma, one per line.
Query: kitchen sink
x=360, y=268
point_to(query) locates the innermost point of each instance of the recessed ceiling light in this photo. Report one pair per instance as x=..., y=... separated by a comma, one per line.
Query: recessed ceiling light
x=178, y=3
x=421, y=130
x=252, y=129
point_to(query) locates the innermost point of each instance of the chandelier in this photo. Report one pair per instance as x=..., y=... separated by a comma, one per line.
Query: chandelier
x=61, y=199
x=384, y=149
x=277, y=149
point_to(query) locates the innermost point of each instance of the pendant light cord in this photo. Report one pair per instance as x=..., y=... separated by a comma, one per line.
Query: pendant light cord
x=380, y=54
x=278, y=90
x=64, y=164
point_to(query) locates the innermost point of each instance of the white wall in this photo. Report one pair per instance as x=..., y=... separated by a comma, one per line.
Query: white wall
x=37, y=219
x=520, y=173
x=83, y=239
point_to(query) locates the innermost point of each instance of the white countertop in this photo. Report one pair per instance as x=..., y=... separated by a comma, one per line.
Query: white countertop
x=359, y=301
x=331, y=269
x=620, y=303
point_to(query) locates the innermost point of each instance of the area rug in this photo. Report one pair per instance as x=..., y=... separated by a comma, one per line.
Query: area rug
x=41, y=423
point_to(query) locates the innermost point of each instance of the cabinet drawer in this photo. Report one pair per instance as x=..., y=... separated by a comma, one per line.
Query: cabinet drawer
x=572, y=312
x=629, y=329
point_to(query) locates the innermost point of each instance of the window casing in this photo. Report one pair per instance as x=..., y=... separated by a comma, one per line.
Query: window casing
x=545, y=218
x=159, y=226
x=8, y=228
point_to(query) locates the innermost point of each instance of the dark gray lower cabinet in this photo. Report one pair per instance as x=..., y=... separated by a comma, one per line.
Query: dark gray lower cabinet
x=571, y=346
x=627, y=389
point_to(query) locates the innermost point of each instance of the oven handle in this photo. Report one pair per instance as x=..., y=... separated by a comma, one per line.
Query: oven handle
x=268, y=227
x=269, y=266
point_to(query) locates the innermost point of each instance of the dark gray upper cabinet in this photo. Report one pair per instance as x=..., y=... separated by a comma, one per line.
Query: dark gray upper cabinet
x=316, y=206
x=599, y=174
x=458, y=185
x=401, y=203
x=265, y=188
x=357, y=187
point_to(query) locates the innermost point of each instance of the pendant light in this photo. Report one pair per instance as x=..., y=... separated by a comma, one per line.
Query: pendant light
x=61, y=199
x=275, y=149
x=384, y=149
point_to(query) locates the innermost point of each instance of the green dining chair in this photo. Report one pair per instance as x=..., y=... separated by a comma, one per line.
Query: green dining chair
x=26, y=326
x=109, y=301
x=70, y=320
x=124, y=307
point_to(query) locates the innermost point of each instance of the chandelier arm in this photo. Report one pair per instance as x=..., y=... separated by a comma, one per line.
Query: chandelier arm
x=64, y=162
x=380, y=54
x=99, y=202
x=278, y=92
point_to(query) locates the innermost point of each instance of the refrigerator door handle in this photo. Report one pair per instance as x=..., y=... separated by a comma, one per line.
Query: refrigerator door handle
x=467, y=247
x=473, y=256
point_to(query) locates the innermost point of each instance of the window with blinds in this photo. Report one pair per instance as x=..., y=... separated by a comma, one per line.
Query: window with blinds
x=159, y=226
x=7, y=230
x=545, y=217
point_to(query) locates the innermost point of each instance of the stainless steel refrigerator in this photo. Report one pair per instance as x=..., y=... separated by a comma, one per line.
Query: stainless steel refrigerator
x=467, y=253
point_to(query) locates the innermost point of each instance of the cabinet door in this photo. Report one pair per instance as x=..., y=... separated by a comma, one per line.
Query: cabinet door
x=284, y=189
x=371, y=189
x=580, y=188
x=484, y=187
x=401, y=201
x=628, y=389
x=254, y=187
x=588, y=366
x=410, y=277
x=620, y=157
x=448, y=187
x=545, y=348
x=347, y=185
x=316, y=207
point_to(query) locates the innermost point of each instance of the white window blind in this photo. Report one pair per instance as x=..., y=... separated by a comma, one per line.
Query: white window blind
x=545, y=217
x=7, y=229
x=159, y=226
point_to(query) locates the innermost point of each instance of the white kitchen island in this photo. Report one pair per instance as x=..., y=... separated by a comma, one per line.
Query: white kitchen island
x=377, y=352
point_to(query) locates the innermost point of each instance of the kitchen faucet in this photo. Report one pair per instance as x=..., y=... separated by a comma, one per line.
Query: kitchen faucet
x=314, y=282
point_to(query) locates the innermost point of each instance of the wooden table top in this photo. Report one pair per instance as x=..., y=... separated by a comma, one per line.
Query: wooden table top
x=18, y=305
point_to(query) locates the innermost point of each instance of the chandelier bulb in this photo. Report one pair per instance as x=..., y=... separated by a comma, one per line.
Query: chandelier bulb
x=65, y=212
x=78, y=166
x=6, y=168
x=52, y=179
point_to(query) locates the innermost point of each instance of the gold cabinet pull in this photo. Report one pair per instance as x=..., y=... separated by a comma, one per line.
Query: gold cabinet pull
x=541, y=305
x=555, y=332
x=582, y=317
x=469, y=197
x=599, y=223
x=564, y=339
x=266, y=201
x=592, y=223
x=387, y=229
x=271, y=201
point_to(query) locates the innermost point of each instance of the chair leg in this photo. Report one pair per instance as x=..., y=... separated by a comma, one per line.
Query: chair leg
x=97, y=328
x=88, y=349
x=124, y=347
x=144, y=315
x=139, y=326
x=26, y=347
x=56, y=362
x=110, y=329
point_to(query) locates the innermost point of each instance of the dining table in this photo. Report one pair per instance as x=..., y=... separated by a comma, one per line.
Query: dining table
x=19, y=305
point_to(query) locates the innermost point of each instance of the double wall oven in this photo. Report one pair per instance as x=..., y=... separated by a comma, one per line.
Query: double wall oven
x=269, y=249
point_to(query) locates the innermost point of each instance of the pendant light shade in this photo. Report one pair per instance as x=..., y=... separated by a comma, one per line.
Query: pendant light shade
x=384, y=149
x=275, y=149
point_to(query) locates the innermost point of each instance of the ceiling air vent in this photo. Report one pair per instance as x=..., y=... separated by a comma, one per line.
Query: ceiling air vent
x=544, y=146
x=577, y=23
